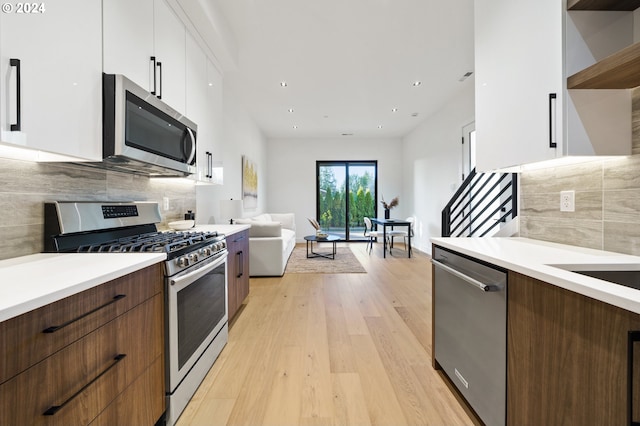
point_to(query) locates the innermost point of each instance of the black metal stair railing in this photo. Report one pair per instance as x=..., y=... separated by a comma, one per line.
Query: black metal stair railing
x=482, y=204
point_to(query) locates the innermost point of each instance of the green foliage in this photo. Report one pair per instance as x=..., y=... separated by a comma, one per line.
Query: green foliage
x=333, y=199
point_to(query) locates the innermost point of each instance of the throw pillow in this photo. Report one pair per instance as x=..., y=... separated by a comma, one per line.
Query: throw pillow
x=265, y=229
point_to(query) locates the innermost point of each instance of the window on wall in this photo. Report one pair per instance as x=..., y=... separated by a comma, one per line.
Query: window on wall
x=346, y=191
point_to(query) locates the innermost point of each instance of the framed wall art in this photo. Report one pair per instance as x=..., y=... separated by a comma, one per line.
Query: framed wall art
x=249, y=183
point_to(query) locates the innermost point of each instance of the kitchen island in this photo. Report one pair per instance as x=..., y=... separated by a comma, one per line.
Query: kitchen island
x=536, y=259
x=571, y=340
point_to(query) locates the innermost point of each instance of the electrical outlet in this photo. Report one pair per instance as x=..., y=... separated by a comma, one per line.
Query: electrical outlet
x=568, y=201
x=165, y=203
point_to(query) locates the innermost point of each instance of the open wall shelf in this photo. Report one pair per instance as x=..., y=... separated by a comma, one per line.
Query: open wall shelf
x=618, y=71
x=603, y=5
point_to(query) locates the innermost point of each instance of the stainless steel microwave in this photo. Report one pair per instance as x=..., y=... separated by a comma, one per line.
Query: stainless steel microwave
x=142, y=134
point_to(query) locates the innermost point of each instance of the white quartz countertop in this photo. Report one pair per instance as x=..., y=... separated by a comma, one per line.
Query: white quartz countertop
x=30, y=282
x=536, y=259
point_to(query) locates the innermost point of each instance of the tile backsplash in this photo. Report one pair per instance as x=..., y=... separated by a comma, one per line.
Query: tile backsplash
x=27, y=185
x=607, y=201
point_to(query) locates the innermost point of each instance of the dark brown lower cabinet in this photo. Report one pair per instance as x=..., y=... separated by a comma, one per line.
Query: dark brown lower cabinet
x=103, y=362
x=567, y=360
x=237, y=270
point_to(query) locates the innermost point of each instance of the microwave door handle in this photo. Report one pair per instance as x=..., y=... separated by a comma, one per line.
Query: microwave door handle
x=193, y=146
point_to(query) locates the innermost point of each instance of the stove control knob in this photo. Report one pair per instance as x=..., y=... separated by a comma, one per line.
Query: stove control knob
x=206, y=251
x=182, y=262
x=223, y=244
x=193, y=257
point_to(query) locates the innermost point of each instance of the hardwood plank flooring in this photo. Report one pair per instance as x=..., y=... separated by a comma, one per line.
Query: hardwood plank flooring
x=332, y=349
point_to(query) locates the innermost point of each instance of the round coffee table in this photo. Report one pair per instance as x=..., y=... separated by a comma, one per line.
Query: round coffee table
x=328, y=239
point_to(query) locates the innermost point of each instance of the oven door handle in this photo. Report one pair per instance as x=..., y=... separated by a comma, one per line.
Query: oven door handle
x=181, y=281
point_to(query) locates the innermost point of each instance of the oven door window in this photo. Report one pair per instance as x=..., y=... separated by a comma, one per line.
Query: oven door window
x=201, y=306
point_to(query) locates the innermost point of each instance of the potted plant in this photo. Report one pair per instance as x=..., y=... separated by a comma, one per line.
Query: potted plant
x=388, y=206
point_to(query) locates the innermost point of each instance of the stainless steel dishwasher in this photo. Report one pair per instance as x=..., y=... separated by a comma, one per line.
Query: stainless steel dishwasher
x=470, y=330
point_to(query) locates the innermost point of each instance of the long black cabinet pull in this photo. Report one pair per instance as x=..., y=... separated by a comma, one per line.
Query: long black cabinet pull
x=633, y=337
x=55, y=408
x=240, y=264
x=55, y=328
x=160, y=69
x=153, y=60
x=210, y=165
x=552, y=121
x=16, y=63
x=209, y=171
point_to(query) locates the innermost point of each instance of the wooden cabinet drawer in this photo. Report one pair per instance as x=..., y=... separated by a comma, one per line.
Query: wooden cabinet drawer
x=22, y=338
x=85, y=374
x=136, y=404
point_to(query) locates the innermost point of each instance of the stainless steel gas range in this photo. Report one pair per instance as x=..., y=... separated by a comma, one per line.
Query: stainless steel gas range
x=196, y=311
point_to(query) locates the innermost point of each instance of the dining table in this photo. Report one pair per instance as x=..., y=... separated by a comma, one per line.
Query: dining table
x=385, y=223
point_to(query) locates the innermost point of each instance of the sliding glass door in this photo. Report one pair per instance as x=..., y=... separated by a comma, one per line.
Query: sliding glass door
x=346, y=191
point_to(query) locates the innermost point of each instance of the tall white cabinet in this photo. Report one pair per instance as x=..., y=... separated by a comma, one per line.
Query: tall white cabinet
x=519, y=68
x=146, y=41
x=58, y=56
x=524, y=111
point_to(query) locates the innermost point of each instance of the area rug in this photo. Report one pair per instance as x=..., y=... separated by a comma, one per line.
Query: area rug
x=344, y=263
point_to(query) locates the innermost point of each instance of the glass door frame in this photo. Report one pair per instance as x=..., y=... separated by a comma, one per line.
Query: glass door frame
x=346, y=164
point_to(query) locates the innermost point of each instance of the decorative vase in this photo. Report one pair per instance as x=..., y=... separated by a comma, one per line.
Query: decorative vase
x=387, y=212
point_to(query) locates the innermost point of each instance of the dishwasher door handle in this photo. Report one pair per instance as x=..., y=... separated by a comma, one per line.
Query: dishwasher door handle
x=472, y=281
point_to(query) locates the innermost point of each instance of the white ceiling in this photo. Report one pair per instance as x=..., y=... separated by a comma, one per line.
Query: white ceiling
x=347, y=63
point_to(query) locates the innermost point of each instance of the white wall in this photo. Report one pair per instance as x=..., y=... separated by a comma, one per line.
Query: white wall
x=240, y=136
x=291, y=183
x=432, y=164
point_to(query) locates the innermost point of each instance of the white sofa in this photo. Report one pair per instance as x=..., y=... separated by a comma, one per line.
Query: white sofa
x=272, y=238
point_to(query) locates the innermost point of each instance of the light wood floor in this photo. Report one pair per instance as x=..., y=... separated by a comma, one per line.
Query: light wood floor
x=331, y=349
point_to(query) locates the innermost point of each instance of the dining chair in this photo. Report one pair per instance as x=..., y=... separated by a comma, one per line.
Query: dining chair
x=402, y=233
x=370, y=233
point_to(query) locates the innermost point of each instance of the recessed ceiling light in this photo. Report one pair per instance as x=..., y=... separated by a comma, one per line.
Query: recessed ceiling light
x=347, y=134
x=283, y=83
x=295, y=127
x=417, y=83
x=394, y=109
x=415, y=114
x=210, y=84
x=290, y=110
x=379, y=126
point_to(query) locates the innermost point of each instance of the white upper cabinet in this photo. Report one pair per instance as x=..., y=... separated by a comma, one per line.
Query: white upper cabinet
x=145, y=41
x=519, y=81
x=56, y=106
x=524, y=112
x=204, y=107
x=169, y=49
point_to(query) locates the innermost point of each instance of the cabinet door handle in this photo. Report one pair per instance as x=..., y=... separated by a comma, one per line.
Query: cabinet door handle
x=55, y=328
x=160, y=69
x=633, y=337
x=240, y=255
x=208, y=175
x=553, y=140
x=153, y=60
x=55, y=408
x=16, y=63
x=211, y=165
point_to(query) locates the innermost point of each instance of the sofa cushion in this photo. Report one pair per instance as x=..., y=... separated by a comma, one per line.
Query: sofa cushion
x=288, y=220
x=265, y=229
x=264, y=217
